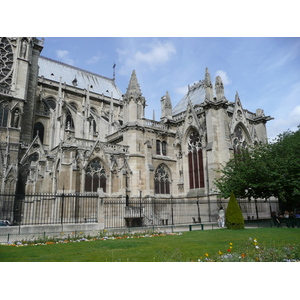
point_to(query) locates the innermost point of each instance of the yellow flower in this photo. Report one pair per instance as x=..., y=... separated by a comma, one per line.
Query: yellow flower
x=220, y=253
x=206, y=254
x=230, y=244
x=230, y=247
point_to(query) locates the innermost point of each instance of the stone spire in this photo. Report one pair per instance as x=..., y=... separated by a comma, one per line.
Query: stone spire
x=133, y=89
x=237, y=98
x=166, y=107
x=208, y=86
x=134, y=102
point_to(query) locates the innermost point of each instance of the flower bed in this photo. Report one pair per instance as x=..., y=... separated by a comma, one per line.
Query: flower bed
x=102, y=236
x=253, y=252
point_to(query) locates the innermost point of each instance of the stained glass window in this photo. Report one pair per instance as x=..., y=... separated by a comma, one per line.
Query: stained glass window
x=195, y=160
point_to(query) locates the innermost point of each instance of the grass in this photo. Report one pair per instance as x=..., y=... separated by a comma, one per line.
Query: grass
x=189, y=246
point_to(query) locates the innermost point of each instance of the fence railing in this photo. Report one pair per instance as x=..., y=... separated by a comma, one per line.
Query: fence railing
x=153, y=212
x=39, y=209
x=61, y=208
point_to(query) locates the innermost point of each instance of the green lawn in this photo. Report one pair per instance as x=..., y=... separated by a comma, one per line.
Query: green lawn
x=190, y=246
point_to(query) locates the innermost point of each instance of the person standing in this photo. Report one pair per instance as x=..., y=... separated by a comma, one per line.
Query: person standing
x=221, y=219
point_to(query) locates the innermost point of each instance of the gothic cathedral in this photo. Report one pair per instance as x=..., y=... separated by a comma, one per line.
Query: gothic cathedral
x=64, y=128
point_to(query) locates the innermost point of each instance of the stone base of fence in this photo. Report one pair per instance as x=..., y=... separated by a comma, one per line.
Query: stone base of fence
x=35, y=229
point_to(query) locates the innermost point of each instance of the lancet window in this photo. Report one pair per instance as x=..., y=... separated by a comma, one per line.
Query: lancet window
x=161, y=147
x=95, y=176
x=162, y=180
x=195, y=160
x=69, y=121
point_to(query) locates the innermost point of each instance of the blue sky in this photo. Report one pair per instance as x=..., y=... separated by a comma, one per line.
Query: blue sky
x=264, y=71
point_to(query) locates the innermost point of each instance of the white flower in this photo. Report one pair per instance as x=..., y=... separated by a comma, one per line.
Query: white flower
x=256, y=247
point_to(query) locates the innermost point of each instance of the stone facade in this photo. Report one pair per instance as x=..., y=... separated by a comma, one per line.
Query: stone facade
x=63, y=128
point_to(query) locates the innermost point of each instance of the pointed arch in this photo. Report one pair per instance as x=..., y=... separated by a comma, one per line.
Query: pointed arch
x=95, y=176
x=50, y=103
x=195, y=160
x=241, y=138
x=162, y=180
x=93, y=125
x=69, y=125
x=16, y=113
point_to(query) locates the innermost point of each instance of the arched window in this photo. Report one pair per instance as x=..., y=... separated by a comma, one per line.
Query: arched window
x=161, y=147
x=69, y=121
x=164, y=148
x=158, y=147
x=38, y=129
x=239, y=140
x=3, y=113
x=51, y=103
x=162, y=180
x=195, y=159
x=95, y=176
x=93, y=125
x=15, y=118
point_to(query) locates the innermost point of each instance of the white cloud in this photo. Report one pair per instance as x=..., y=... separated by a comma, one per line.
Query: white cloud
x=94, y=59
x=63, y=55
x=285, y=56
x=224, y=76
x=156, y=54
x=280, y=125
x=182, y=90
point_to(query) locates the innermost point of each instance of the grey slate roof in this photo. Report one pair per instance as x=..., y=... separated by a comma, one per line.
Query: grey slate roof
x=196, y=94
x=53, y=70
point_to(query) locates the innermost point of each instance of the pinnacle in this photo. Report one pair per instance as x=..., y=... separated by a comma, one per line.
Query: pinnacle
x=207, y=77
x=133, y=86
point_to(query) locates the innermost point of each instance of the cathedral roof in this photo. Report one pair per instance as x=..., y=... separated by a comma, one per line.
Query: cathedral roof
x=53, y=70
x=196, y=94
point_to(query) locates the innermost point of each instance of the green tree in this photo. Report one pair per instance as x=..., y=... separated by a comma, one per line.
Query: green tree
x=266, y=170
x=233, y=217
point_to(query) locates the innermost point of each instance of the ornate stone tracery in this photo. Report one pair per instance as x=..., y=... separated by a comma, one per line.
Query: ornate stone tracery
x=239, y=140
x=162, y=180
x=95, y=176
x=6, y=64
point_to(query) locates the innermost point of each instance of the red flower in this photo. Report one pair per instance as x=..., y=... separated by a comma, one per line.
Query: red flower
x=229, y=250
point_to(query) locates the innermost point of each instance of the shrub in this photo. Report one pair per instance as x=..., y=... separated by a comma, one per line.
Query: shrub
x=233, y=215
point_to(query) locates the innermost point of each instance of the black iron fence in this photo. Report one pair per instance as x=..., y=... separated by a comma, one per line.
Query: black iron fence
x=139, y=212
x=61, y=208
x=39, y=209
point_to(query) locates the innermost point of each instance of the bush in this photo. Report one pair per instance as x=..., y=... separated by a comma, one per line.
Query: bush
x=233, y=215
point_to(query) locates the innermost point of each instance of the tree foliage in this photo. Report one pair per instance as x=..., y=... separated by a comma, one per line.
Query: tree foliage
x=264, y=171
x=233, y=216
